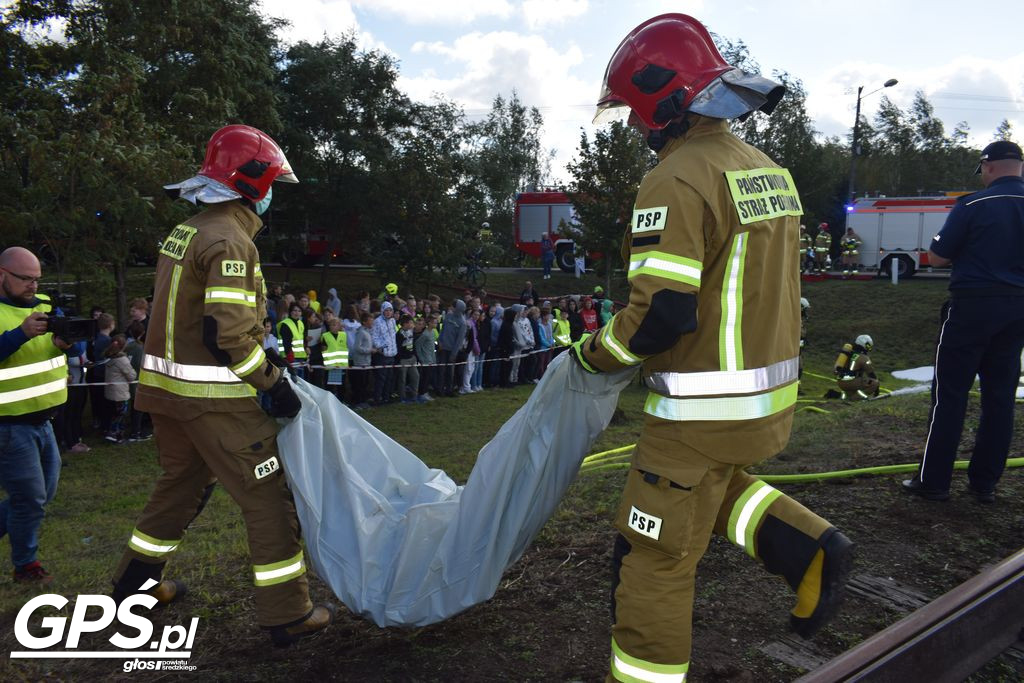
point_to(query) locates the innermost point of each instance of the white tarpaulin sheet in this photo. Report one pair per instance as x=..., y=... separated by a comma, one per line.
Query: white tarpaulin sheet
x=399, y=542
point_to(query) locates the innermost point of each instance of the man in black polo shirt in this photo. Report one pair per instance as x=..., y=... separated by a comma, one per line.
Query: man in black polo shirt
x=982, y=328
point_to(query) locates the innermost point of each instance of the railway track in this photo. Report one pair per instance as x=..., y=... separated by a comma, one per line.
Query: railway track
x=946, y=639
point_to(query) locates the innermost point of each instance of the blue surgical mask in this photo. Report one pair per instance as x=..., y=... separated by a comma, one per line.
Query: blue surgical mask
x=262, y=205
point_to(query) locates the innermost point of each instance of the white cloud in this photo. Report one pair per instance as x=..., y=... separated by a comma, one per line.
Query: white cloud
x=483, y=65
x=540, y=13
x=980, y=91
x=310, y=21
x=439, y=11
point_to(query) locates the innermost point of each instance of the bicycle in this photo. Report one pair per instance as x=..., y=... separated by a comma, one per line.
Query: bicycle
x=473, y=273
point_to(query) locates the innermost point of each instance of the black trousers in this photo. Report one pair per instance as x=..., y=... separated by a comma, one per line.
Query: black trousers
x=980, y=335
x=383, y=377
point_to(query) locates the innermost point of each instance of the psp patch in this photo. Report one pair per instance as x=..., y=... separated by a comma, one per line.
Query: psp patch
x=232, y=268
x=266, y=468
x=176, y=243
x=649, y=220
x=643, y=523
x=761, y=194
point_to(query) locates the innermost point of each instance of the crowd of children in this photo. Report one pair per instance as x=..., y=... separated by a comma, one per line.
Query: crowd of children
x=374, y=351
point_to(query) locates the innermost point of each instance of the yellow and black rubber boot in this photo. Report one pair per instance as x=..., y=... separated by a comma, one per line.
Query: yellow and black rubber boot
x=821, y=590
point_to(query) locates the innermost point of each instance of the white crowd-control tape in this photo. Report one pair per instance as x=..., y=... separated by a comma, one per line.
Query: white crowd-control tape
x=307, y=366
x=400, y=542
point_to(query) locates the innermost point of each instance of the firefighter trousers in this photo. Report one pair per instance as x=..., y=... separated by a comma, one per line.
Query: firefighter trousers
x=858, y=388
x=240, y=451
x=665, y=525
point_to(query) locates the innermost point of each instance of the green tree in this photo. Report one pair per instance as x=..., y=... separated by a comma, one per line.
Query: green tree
x=433, y=213
x=121, y=104
x=1004, y=131
x=606, y=174
x=507, y=157
x=207, y=63
x=343, y=114
x=89, y=158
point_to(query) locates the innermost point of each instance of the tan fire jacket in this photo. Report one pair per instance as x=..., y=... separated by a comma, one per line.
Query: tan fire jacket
x=203, y=348
x=719, y=220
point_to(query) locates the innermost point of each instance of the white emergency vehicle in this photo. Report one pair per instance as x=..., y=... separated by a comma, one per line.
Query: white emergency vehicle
x=897, y=230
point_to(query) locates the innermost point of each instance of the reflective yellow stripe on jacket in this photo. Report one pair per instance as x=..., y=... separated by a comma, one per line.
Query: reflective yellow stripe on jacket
x=193, y=381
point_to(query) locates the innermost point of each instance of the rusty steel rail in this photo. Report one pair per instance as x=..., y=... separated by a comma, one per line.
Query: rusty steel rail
x=947, y=639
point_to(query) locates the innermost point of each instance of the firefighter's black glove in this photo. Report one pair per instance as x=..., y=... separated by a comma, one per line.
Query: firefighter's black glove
x=284, y=402
x=577, y=353
x=274, y=358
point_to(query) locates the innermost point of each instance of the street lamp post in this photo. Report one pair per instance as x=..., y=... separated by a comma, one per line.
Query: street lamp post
x=856, y=131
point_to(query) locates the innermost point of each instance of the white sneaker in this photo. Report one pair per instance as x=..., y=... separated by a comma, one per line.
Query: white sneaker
x=426, y=397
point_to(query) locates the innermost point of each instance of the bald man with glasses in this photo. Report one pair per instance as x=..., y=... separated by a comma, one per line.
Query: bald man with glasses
x=33, y=385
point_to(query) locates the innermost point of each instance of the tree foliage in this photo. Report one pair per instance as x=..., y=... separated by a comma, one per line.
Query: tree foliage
x=505, y=157
x=606, y=175
x=432, y=216
x=343, y=115
x=104, y=101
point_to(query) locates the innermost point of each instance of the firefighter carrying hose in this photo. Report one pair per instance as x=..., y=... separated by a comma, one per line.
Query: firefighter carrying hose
x=822, y=245
x=855, y=373
x=713, y=231
x=850, y=245
x=202, y=367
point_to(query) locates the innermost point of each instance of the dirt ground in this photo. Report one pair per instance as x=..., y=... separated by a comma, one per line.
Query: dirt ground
x=550, y=622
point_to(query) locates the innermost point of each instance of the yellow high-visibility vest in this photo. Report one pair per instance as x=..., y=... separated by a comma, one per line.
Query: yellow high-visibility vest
x=298, y=330
x=35, y=377
x=336, y=351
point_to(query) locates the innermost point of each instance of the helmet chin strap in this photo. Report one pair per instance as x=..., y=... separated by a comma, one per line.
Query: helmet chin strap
x=657, y=139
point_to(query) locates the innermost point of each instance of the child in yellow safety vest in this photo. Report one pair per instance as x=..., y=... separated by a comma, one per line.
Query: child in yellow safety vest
x=562, y=334
x=335, y=351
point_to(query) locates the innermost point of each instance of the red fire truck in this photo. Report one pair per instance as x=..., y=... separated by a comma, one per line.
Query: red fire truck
x=545, y=210
x=897, y=231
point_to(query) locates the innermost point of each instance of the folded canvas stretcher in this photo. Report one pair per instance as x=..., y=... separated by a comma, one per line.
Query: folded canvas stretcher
x=401, y=543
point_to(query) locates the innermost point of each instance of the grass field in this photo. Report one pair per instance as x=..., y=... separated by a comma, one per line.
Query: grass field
x=549, y=620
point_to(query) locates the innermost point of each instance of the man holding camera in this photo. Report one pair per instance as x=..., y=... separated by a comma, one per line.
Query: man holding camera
x=33, y=384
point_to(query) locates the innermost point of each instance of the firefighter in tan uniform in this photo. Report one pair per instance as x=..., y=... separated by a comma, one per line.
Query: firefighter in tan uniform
x=713, y=318
x=855, y=373
x=822, y=246
x=806, y=249
x=851, y=252
x=203, y=365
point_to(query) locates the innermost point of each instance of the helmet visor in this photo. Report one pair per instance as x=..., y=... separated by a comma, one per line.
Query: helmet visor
x=611, y=111
x=287, y=175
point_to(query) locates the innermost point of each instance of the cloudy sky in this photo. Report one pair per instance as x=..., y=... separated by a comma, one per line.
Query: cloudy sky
x=969, y=62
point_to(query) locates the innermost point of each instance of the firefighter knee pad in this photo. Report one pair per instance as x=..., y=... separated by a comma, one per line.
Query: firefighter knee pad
x=821, y=590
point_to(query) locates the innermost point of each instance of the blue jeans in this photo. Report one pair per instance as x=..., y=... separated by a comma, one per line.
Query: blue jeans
x=29, y=471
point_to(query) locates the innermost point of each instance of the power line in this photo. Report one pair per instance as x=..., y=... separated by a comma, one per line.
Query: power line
x=968, y=96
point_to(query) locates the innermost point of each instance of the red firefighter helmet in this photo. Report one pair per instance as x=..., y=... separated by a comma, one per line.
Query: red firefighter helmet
x=669, y=65
x=246, y=160
x=669, y=56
